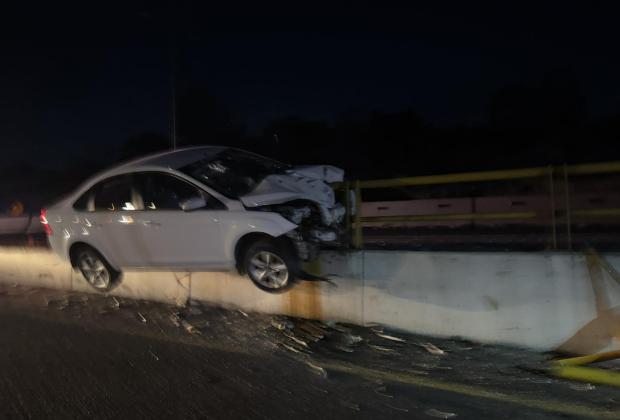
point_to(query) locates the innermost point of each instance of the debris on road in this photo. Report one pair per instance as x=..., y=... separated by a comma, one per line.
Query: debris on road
x=345, y=349
x=313, y=330
x=317, y=369
x=404, y=410
x=351, y=340
x=174, y=318
x=154, y=356
x=439, y=414
x=390, y=337
x=115, y=304
x=380, y=348
x=289, y=348
x=281, y=325
x=334, y=326
x=295, y=339
x=243, y=313
x=433, y=349
x=382, y=391
x=189, y=327
x=142, y=318
x=582, y=387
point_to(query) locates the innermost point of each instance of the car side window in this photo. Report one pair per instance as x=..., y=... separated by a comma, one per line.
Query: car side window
x=115, y=194
x=84, y=202
x=166, y=192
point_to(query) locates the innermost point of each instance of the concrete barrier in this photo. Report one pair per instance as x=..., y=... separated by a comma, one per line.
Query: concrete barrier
x=546, y=301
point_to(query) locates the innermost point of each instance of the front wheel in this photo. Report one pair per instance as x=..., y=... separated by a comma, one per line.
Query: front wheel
x=270, y=268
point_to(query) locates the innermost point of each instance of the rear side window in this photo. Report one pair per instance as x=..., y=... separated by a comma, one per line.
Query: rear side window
x=165, y=192
x=115, y=194
x=83, y=203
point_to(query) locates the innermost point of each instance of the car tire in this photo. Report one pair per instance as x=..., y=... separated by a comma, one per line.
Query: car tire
x=270, y=267
x=95, y=269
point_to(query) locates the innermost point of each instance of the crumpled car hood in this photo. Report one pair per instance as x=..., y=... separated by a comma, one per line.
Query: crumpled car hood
x=300, y=182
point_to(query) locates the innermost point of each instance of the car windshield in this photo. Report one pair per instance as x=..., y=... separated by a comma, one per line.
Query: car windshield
x=233, y=173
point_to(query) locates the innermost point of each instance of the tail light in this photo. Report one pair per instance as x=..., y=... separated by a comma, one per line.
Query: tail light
x=46, y=226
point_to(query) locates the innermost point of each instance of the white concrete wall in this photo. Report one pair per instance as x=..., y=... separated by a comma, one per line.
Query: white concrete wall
x=537, y=300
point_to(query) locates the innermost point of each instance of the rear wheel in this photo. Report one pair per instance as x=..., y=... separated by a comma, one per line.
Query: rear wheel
x=270, y=268
x=96, y=270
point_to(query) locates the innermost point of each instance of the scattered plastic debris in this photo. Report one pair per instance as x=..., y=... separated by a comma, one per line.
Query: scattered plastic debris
x=115, y=303
x=382, y=391
x=431, y=348
x=189, y=327
x=334, y=325
x=541, y=380
x=174, y=318
x=390, y=337
x=351, y=340
x=243, y=313
x=295, y=339
x=142, y=318
x=582, y=387
x=289, y=348
x=404, y=410
x=281, y=324
x=313, y=330
x=317, y=369
x=439, y=414
x=380, y=348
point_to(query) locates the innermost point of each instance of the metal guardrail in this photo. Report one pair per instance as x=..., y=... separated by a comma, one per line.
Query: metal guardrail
x=354, y=224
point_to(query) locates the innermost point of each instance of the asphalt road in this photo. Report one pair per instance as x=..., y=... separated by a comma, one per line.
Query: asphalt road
x=88, y=356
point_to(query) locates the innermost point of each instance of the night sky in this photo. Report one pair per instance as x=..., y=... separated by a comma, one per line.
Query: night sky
x=78, y=80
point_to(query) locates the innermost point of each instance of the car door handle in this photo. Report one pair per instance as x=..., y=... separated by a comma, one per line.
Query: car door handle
x=150, y=223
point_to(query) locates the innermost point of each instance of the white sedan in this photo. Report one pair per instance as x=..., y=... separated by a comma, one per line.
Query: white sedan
x=202, y=208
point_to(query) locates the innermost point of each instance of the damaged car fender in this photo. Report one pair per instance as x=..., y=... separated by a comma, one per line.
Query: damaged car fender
x=256, y=223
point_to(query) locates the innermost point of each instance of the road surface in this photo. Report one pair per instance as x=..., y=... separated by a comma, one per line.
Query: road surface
x=91, y=356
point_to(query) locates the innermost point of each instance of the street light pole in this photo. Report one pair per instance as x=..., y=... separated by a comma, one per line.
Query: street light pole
x=173, y=82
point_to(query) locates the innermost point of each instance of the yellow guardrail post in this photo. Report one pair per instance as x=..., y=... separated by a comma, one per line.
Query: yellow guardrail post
x=358, y=240
x=552, y=201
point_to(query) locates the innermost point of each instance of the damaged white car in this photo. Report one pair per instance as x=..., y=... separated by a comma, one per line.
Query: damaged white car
x=201, y=208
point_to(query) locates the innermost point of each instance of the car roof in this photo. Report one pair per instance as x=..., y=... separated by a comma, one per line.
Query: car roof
x=172, y=159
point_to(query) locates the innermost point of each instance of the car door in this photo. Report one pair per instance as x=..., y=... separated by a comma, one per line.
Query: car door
x=110, y=221
x=175, y=237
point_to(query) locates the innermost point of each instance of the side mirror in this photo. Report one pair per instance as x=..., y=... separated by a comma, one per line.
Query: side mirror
x=193, y=203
